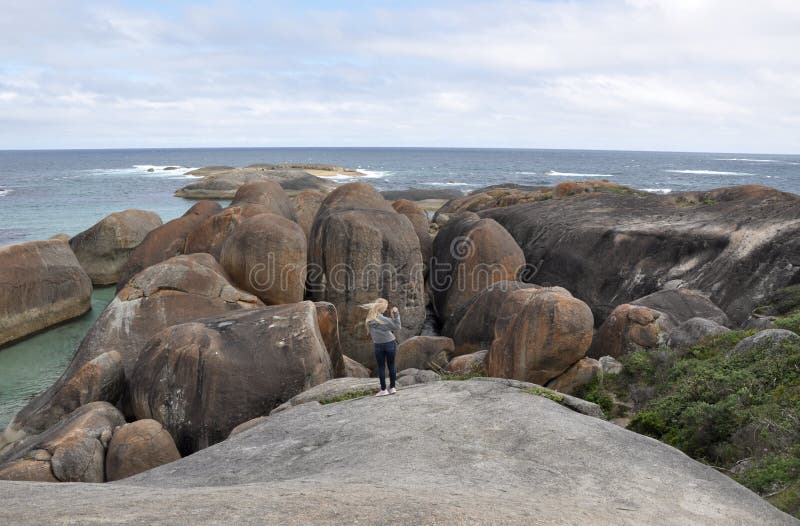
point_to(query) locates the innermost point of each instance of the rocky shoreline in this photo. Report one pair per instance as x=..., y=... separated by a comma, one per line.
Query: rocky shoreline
x=245, y=321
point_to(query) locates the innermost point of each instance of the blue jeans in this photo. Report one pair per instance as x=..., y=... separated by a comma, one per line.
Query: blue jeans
x=384, y=355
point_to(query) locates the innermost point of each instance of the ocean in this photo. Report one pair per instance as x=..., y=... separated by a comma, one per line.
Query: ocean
x=43, y=193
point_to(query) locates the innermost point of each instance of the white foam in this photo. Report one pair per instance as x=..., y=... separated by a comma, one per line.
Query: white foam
x=573, y=174
x=5, y=192
x=706, y=172
x=368, y=174
x=526, y=173
x=450, y=183
x=144, y=169
x=658, y=190
x=745, y=160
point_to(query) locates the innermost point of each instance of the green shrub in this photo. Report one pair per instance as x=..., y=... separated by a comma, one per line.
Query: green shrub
x=790, y=323
x=360, y=393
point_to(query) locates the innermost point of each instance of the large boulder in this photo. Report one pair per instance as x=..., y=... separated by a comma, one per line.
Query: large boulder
x=765, y=340
x=424, y=352
x=211, y=233
x=353, y=369
x=581, y=373
x=73, y=450
x=166, y=241
x=469, y=254
x=328, y=321
x=471, y=326
x=203, y=378
x=101, y=379
x=268, y=194
x=266, y=255
x=539, y=334
x=474, y=452
x=137, y=447
x=174, y=291
x=692, y=332
x=103, y=249
x=629, y=328
x=361, y=249
x=419, y=219
x=468, y=364
x=609, y=248
x=41, y=284
x=306, y=205
x=679, y=305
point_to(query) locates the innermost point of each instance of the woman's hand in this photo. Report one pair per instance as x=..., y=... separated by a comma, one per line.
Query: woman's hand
x=395, y=311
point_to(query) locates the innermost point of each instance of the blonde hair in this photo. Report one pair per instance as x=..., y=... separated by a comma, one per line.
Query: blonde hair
x=374, y=309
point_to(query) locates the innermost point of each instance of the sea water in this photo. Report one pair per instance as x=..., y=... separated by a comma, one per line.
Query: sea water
x=47, y=192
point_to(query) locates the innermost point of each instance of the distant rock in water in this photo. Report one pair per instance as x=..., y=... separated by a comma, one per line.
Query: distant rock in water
x=738, y=244
x=223, y=182
x=421, y=194
x=473, y=452
x=41, y=284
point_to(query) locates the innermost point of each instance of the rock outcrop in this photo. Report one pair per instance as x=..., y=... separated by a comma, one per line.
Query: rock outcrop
x=328, y=321
x=266, y=255
x=104, y=249
x=174, y=291
x=469, y=254
x=692, y=332
x=101, y=379
x=419, y=219
x=222, y=182
x=268, y=194
x=539, y=334
x=166, y=241
x=737, y=243
x=73, y=450
x=203, y=378
x=211, y=233
x=511, y=458
x=424, y=352
x=137, y=447
x=41, y=284
x=466, y=364
x=471, y=326
x=679, y=305
x=580, y=374
x=361, y=249
x=629, y=328
x=306, y=205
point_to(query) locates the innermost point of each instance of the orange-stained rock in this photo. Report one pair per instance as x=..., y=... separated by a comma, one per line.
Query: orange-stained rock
x=424, y=352
x=209, y=235
x=539, y=334
x=419, y=219
x=628, y=328
x=469, y=254
x=580, y=374
x=268, y=194
x=306, y=204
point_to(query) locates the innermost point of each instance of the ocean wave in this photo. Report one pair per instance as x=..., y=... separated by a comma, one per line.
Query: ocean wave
x=147, y=170
x=5, y=191
x=368, y=174
x=706, y=172
x=573, y=174
x=746, y=160
x=658, y=190
x=525, y=173
x=450, y=183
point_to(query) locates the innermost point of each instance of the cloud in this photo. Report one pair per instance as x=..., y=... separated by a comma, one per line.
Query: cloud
x=707, y=75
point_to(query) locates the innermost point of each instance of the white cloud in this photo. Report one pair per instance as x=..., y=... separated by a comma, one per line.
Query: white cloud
x=641, y=74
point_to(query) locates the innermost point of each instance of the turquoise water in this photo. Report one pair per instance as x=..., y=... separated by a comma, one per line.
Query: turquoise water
x=33, y=364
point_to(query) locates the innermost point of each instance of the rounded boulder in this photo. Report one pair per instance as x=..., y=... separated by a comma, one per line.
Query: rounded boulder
x=137, y=447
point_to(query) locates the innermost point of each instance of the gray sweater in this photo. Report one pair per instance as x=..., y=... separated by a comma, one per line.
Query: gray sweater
x=380, y=329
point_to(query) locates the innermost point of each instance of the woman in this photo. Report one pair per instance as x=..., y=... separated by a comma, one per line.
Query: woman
x=380, y=330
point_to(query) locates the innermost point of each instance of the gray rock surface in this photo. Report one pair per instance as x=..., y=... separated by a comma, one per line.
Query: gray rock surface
x=474, y=452
x=766, y=339
x=330, y=389
x=409, y=377
x=692, y=331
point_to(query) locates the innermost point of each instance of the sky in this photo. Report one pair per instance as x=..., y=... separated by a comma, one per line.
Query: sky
x=676, y=75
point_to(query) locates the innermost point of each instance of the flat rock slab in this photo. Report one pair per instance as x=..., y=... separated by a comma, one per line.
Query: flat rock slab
x=473, y=452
